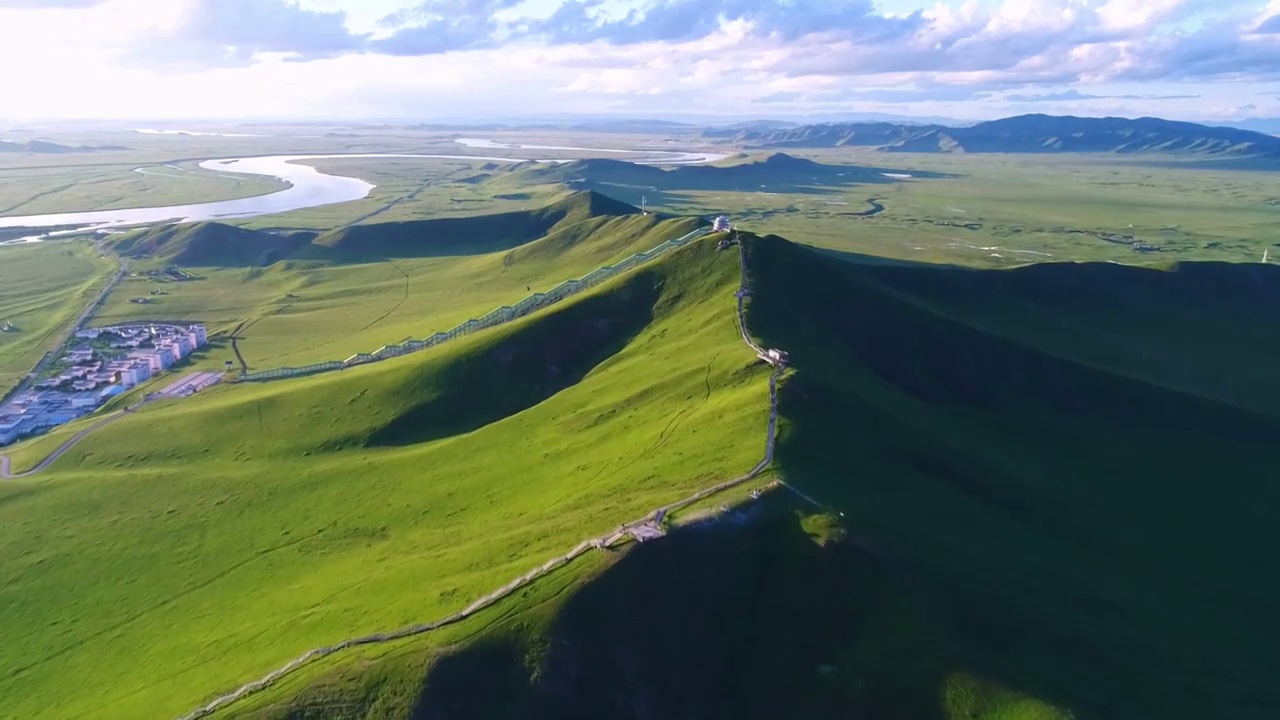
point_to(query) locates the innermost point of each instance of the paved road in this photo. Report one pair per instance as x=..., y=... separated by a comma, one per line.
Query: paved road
x=599, y=542
x=5, y=473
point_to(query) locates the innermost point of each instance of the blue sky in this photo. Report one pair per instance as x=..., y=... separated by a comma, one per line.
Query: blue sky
x=1207, y=60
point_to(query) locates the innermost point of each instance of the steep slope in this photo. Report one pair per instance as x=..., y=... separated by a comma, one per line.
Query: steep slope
x=1074, y=529
x=767, y=613
x=230, y=532
x=1027, y=134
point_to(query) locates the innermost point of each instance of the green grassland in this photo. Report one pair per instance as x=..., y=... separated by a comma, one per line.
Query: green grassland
x=1032, y=526
x=42, y=289
x=1047, y=488
x=1004, y=211
x=1026, y=522
x=987, y=211
x=36, y=191
x=230, y=532
x=358, y=289
x=763, y=619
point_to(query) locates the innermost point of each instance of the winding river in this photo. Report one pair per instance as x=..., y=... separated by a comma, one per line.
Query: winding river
x=308, y=187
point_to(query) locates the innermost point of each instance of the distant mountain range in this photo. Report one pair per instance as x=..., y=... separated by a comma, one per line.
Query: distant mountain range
x=50, y=148
x=1022, y=134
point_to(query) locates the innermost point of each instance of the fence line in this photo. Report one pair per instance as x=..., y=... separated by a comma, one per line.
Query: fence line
x=598, y=542
x=499, y=316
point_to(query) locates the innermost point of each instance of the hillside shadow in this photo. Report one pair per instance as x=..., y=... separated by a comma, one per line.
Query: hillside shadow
x=745, y=618
x=1046, y=507
x=522, y=368
x=212, y=244
x=856, y=258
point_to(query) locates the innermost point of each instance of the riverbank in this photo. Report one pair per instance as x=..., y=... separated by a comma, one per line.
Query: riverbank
x=307, y=187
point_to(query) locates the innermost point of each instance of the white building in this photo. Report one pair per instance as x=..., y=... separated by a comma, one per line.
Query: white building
x=720, y=224
x=131, y=375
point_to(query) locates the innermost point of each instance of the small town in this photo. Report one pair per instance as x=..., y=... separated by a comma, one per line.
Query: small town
x=101, y=364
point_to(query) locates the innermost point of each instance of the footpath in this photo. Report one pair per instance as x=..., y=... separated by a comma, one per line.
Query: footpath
x=650, y=520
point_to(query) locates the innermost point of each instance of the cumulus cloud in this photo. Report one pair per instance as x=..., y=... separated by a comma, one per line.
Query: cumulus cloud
x=1007, y=43
x=679, y=20
x=235, y=32
x=772, y=52
x=440, y=26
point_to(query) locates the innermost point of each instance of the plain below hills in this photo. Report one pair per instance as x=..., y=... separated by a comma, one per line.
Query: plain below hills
x=1022, y=134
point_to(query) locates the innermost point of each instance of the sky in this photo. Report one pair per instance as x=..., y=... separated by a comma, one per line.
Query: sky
x=1202, y=60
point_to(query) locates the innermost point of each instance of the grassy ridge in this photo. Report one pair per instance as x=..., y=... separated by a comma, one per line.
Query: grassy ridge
x=1033, y=524
x=43, y=287
x=434, y=275
x=1076, y=529
x=230, y=532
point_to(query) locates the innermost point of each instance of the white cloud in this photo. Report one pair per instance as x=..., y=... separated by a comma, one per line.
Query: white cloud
x=425, y=57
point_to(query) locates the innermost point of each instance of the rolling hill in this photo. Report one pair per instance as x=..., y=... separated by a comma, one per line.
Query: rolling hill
x=1024, y=530
x=44, y=147
x=1039, y=501
x=775, y=167
x=776, y=171
x=372, y=499
x=1022, y=134
x=213, y=244
x=304, y=298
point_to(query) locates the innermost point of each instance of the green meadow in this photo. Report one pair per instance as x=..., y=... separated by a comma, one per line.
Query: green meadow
x=1004, y=211
x=43, y=288
x=274, y=518
x=57, y=189
x=998, y=539
x=1040, y=454
x=321, y=303
x=990, y=211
